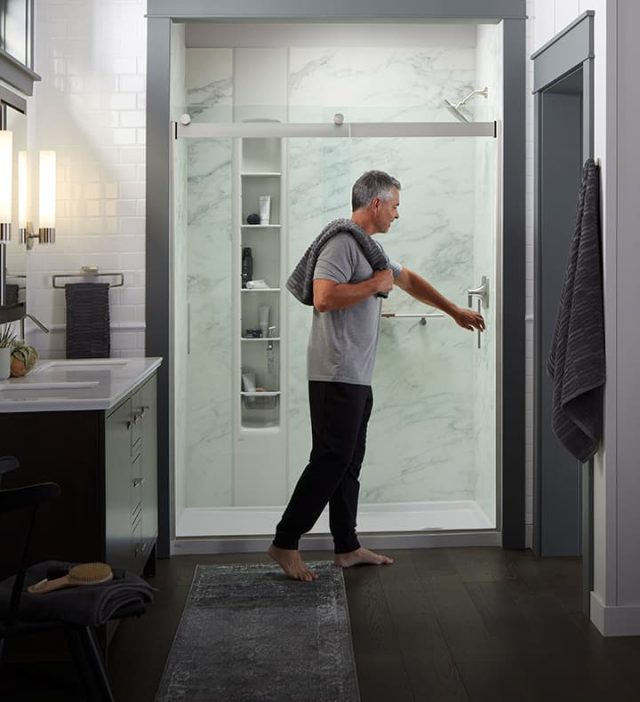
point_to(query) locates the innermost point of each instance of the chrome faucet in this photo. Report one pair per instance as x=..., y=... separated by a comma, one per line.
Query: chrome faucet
x=36, y=321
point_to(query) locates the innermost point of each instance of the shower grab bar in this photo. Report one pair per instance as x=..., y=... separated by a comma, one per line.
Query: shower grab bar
x=417, y=314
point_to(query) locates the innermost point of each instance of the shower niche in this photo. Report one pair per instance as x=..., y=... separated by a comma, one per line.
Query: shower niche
x=260, y=246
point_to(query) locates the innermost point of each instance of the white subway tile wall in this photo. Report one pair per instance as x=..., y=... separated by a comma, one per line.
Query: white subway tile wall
x=90, y=108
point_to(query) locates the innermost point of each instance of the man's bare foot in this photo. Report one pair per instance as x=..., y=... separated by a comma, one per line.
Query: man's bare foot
x=291, y=562
x=361, y=556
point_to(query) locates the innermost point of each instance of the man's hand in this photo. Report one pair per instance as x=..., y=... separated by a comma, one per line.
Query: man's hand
x=383, y=280
x=468, y=319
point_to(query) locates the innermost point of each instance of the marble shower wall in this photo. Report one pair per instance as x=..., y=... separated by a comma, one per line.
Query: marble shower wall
x=208, y=409
x=421, y=439
x=377, y=84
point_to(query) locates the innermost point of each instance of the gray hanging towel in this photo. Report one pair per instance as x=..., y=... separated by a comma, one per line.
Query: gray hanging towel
x=88, y=330
x=577, y=358
x=300, y=282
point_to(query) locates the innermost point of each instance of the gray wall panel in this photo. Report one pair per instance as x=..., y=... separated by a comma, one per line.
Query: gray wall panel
x=514, y=226
x=339, y=9
x=158, y=275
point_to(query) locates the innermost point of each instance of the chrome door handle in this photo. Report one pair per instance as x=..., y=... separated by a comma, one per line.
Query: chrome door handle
x=482, y=295
x=482, y=291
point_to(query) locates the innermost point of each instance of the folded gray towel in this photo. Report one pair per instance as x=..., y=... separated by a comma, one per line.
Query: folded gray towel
x=577, y=358
x=300, y=282
x=83, y=604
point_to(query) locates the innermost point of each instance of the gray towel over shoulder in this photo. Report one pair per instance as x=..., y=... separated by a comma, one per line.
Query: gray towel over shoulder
x=300, y=282
x=577, y=358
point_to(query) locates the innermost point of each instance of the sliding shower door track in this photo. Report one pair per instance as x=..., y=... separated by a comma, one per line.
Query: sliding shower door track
x=219, y=130
x=321, y=542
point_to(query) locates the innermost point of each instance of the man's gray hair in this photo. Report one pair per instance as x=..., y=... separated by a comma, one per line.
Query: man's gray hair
x=372, y=184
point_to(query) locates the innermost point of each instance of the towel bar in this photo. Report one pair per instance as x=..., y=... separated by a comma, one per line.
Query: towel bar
x=88, y=272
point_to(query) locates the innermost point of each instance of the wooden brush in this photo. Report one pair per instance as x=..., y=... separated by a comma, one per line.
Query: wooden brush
x=82, y=574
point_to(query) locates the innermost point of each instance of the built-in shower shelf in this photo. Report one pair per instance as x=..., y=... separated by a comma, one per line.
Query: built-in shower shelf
x=260, y=167
x=260, y=338
x=262, y=174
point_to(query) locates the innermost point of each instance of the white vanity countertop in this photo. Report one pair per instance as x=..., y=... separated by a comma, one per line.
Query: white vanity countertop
x=59, y=385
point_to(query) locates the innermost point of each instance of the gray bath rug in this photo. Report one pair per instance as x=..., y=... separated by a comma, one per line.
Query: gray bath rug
x=249, y=634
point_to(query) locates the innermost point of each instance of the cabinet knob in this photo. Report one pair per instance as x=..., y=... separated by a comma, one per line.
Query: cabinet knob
x=137, y=482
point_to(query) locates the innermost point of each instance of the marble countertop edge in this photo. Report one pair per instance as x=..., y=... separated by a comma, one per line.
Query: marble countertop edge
x=64, y=385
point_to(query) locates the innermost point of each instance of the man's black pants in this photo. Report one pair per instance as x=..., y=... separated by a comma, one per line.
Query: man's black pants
x=339, y=416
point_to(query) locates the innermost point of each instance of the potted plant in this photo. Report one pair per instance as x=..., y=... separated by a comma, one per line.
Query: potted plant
x=7, y=340
x=23, y=358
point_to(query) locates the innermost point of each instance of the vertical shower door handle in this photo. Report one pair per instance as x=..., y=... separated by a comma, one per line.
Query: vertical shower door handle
x=481, y=293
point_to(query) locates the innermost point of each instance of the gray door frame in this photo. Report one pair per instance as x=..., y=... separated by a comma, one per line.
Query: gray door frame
x=570, y=51
x=161, y=14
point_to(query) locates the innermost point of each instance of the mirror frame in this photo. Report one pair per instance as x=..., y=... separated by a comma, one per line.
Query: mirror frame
x=9, y=313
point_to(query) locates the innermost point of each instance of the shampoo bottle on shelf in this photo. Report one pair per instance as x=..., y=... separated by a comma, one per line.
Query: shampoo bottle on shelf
x=247, y=266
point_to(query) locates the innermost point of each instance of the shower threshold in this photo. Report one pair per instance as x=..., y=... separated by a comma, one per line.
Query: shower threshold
x=387, y=518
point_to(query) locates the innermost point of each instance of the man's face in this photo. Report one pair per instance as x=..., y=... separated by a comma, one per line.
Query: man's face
x=386, y=211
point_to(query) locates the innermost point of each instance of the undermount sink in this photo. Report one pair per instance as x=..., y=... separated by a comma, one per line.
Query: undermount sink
x=60, y=385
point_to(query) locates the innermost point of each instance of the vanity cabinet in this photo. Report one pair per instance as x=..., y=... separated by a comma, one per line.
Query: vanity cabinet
x=105, y=462
x=130, y=480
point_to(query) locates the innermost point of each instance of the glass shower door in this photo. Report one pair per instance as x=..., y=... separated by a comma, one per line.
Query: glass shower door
x=431, y=458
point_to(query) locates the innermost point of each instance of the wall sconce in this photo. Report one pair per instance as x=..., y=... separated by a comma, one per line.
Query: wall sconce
x=47, y=200
x=46, y=194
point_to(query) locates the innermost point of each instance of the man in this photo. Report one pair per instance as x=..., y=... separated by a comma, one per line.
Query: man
x=341, y=355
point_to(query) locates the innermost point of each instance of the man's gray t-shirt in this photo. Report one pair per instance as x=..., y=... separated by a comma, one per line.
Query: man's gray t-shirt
x=342, y=343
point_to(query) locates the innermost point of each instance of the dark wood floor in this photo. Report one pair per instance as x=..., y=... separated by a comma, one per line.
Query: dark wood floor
x=440, y=625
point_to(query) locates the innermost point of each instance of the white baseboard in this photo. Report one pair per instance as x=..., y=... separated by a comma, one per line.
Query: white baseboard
x=612, y=620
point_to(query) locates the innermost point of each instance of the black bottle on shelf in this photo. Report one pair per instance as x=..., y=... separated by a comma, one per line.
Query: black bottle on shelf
x=247, y=266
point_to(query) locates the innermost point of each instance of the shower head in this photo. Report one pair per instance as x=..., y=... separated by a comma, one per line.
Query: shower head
x=455, y=109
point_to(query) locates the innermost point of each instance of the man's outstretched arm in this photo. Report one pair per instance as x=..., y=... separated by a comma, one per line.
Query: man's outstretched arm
x=416, y=286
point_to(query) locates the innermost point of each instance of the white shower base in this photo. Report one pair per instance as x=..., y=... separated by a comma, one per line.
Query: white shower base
x=387, y=518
